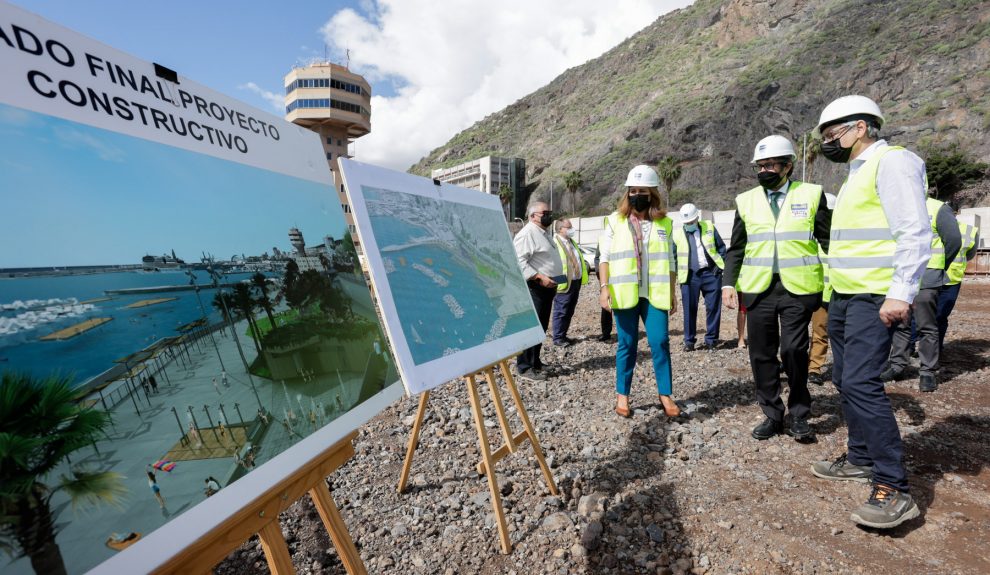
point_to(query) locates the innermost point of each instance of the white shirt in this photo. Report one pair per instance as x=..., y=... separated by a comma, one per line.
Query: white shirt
x=901, y=188
x=699, y=248
x=781, y=197
x=536, y=253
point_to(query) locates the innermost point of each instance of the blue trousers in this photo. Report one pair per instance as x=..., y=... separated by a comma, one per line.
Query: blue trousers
x=860, y=346
x=627, y=326
x=563, y=310
x=702, y=282
x=946, y=301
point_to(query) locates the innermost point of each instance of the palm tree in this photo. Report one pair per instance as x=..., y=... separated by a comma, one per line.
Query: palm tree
x=245, y=303
x=41, y=424
x=809, y=148
x=573, y=181
x=219, y=299
x=260, y=284
x=505, y=195
x=669, y=171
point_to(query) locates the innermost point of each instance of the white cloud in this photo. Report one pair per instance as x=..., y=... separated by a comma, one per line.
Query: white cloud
x=277, y=101
x=455, y=62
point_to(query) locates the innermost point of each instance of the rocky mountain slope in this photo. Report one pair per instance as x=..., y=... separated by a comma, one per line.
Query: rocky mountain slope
x=704, y=83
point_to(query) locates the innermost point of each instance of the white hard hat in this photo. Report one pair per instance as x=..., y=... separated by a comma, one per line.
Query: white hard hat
x=643, y=176
x=849, y=106
x=773, y=147
x=689, y=213
x=830, y=200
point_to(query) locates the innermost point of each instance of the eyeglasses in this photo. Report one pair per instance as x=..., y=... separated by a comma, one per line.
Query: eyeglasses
x=836, y=132
x=774, y=166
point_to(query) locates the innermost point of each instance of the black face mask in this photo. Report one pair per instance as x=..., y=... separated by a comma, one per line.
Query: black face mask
x=770, y=180
x=640, y=203
x=834, y=152
x=546, y=219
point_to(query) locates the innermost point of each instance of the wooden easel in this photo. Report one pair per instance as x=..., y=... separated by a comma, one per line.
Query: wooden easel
x=488, y=458
x=261, y=517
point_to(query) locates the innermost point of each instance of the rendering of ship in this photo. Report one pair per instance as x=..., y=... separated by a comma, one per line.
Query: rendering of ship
x=161, y=263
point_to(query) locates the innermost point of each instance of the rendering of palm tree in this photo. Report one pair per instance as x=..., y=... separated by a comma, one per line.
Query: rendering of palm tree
x=218, y=303
x=669, y=171
x=41, y=424
x=260, y=284
x=246, y=303
x=573, y=182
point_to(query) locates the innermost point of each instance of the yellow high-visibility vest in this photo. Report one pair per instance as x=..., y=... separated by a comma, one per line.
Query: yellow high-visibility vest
x=789, y=239
x=623, y=269
x=563, y=258
x=707, y=240
x=937, y=261
x=861, y=245
x=957, y=269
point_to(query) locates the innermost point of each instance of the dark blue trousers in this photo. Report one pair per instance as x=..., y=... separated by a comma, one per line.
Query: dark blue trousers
x=703, y=282
x=946, y=301
x=563, y=310
x=860, y=346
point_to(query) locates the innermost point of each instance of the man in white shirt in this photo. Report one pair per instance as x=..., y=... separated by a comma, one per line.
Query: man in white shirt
x=880, y=245
x=542, y=269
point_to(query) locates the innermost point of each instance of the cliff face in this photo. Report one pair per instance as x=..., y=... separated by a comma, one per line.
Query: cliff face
x=705, y=83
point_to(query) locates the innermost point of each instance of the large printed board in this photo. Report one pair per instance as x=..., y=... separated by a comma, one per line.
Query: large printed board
x=183, y=261
x=446, y=274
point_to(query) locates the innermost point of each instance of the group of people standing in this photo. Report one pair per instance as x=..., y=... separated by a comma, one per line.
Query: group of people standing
x=852, y=266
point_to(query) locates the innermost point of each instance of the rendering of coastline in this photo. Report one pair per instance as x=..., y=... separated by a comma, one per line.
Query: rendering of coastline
x=214, y=310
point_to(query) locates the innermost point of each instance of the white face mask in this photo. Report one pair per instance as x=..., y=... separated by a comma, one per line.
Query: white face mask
x=570, y=232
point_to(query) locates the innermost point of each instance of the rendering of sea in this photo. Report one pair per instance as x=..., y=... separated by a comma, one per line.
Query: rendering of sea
x=421, y=310
x=32, y=307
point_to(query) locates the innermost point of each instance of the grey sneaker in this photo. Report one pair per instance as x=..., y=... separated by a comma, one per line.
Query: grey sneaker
x=886, y=508
x=842, y=470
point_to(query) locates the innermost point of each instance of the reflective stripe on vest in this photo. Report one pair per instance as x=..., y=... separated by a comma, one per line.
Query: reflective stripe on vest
x=957, y=270
x=707, y=241
x=623, y=272
x=788, y=240
x=937, y=261
x=861, y=250
x=563, y=258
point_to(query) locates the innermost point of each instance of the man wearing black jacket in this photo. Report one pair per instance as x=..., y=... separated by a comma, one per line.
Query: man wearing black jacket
x=773, y=260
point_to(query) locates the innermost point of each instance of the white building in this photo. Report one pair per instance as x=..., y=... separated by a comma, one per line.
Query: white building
x=488, y=175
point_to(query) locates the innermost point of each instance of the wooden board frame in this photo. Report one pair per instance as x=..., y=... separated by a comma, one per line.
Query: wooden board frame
x=489, y=458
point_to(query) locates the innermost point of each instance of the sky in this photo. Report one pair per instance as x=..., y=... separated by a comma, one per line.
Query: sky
x=436, y=66
x=101, y=197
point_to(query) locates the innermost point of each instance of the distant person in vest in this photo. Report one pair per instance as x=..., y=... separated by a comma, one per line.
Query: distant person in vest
x=637, y=270
x=541, y=267
x=880, y=244
x=950, y=291
x=699, y=253
x=575, y=276
x=946, y=241
x=773, y=260
x=819, y=320
x=606, y=315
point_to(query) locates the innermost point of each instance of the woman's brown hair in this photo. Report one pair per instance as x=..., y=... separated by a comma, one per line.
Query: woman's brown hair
x=655, y=212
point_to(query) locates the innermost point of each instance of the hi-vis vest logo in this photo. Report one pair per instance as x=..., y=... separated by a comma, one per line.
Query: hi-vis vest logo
x=662, y=233
x=799, y=210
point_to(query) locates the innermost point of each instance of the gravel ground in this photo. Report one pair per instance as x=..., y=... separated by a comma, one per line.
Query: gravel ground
x=655, y=495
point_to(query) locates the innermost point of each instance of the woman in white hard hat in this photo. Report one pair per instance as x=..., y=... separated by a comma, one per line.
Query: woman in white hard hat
x=637, y=271
x=773, y=261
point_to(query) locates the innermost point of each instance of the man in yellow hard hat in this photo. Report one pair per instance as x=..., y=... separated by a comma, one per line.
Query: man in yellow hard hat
x=880, y=245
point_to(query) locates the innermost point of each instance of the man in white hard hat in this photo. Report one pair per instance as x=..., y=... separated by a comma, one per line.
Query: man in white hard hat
x=699, y=255
x=819, y=321
x=773, y=260
x=880, y=245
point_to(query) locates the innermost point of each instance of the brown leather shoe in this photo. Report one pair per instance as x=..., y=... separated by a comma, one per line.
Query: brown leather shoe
x=669, y=407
